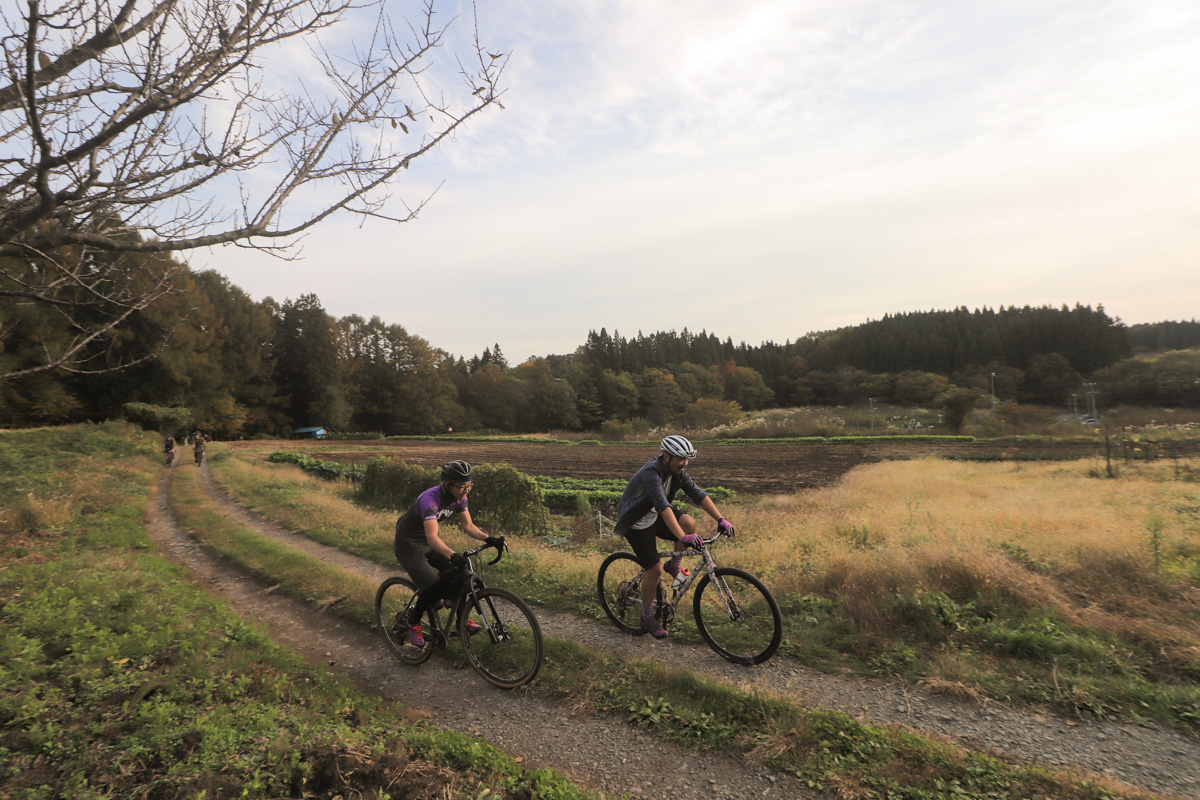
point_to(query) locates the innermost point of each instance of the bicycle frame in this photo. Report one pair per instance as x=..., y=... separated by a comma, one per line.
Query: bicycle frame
x=499, y=631
x=735, y=613
x=707, y=563
x=467, y=597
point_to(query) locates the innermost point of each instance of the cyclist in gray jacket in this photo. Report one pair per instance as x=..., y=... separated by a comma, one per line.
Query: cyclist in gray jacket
x=645, y=514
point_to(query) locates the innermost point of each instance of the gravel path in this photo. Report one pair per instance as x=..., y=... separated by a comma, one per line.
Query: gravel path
x=608, y=754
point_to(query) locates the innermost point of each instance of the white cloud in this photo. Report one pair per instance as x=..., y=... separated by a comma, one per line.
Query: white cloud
x=765, y=169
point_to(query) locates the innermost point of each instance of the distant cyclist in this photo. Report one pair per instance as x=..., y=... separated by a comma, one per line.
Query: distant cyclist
x=419, y=547
x=645, y=514
x=169, y=449
x=198, y=449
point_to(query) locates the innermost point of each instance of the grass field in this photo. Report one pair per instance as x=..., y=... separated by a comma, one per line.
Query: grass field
x=120, y=679
x=1039, y=583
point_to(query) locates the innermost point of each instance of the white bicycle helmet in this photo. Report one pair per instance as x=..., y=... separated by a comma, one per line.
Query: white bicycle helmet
x=678, y=446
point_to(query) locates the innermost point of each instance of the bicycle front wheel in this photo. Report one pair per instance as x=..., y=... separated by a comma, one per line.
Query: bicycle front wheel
x=392, y=603
x=506, y=648
x=737, y=616
x=619, y=585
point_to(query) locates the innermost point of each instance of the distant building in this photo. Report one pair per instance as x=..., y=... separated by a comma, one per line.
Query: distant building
x=309, y=433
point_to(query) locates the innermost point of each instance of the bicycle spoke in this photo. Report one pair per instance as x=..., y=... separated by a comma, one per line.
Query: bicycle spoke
x=507, y=650
x=737, y=616
x=392, y=603
x=619, y=585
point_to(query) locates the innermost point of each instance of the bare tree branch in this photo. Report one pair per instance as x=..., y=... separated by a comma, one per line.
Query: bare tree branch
x=161, y=126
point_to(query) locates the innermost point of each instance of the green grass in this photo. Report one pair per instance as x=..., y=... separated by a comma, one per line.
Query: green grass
x=120, y=678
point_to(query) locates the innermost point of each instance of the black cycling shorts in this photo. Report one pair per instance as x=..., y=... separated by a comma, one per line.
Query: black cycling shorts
x=645, y=549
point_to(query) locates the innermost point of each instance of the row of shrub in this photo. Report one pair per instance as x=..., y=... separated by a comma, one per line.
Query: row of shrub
x=579, y=493
x=477, y=439
x=329, y=470
x=779, y=440
x=507, y=497
x=502, y=491
x=503, y=498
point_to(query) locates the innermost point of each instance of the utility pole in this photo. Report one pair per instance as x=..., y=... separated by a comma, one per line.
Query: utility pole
x=1093, y=412
x=871, y=413
x=993, y=393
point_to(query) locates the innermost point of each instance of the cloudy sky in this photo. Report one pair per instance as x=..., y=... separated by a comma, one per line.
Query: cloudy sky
x=763, y=169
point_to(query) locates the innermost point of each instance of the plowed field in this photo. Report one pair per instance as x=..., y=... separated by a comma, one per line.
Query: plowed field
x=745, y=468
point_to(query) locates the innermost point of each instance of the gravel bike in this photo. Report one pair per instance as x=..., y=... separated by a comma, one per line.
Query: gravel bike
x=506, y=648
x=736, y=614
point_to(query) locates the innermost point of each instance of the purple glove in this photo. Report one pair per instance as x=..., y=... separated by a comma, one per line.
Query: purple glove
x=726, y=527
x=692, y=539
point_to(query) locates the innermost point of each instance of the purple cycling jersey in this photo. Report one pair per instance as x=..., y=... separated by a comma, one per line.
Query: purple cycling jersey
x=434, y=503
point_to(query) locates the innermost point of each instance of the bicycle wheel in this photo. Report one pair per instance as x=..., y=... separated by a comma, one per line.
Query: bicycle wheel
x=619, y=584
x=737, y=616
x=507, y=650
x=392, y=602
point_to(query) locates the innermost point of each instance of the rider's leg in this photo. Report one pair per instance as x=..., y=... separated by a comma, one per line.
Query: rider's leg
x=644, y=542
x=425, y=599
x=649, y=586
x=412, y=557
x=688, y=523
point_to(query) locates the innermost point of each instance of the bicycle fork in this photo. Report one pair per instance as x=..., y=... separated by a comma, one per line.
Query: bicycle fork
x=489, y=620
x=728, y=602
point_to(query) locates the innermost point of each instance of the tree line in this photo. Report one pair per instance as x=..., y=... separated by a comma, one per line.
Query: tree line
x=96, y=312
x=243, y=368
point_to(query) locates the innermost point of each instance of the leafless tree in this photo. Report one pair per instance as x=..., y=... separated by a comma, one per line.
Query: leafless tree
x=134, y=129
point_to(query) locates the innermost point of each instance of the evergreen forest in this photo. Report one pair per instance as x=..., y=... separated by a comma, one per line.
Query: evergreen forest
x=236, y=367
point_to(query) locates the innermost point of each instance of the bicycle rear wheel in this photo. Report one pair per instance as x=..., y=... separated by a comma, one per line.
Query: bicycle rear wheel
x=507, y=650
x=392, y=602
x=737, y=616
x=619, y=584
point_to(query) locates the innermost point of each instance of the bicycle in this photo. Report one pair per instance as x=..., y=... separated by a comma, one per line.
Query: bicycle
x=199, y=457
x=170, y=456
x=736, y=614
x=506, y=649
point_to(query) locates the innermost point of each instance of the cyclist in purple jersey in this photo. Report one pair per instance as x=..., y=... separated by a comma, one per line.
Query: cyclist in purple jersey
x=419, y=547
x=645, y=514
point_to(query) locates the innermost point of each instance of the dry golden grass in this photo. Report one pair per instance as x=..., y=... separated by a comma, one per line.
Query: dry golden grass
x=1023, y=535
x=56, y=507
x=898, y=510
x=306, y=500
x=1041, y=535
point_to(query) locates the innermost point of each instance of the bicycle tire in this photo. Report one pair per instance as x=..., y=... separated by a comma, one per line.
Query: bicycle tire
x=620, y=591
x=391, y=607
x=508, y=650
x=753, y=631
